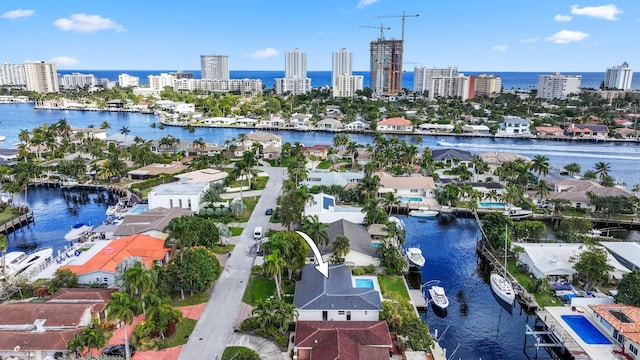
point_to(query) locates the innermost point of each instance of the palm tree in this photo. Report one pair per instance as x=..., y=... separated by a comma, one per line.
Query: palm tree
x=213, y=193
x=94, y=336
x=540, y=164
x=316, y=230
x=121, y=308
x=154, y=126
x=573, y=168
x=139, y=281
x=352, y=149
x=125, y=131
x=341, y=246
x=602, y=169
x=390, y=201
x=542, y=189
x=273, y=265
x=105, y=125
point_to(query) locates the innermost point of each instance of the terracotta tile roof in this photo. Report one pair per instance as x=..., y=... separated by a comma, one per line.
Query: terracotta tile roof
x=395, y=122
x=81, y=295
x=551, y=129
x=631, y=329
x=405, y=182
x=33, y=341
x=329, y=340
x=58, y=315
x=149, y=249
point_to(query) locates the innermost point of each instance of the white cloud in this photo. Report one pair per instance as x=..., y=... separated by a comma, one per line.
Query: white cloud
x=562, y=18
x=14, y=14
x=65, y=61
x=529, y=40
x=499, y=48
x=264, y=53
x=567, y=36
x=607, y=12
x=365, y=3
x=85, y=23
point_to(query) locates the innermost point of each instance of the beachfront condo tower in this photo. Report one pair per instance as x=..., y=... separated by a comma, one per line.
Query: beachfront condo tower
x=214, y=67
x=619, y=77
x=343, y=82
x=557, y=86
x=41, y=77
x=295, y=80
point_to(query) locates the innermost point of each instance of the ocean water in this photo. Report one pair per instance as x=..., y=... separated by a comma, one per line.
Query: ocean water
x=510, y=80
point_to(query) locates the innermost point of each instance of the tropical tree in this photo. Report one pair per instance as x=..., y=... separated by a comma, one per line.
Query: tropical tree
x=391, y=257
x=94, y=336
x=139, y=281
x=123, y=309
x=629, y=289
x=389, y=200
x=273, y=266
x=3, y=248
x=540, y=165
x=542, y=189
x=573, y=168
x=592, y=266
x=125, y=131
x=214, y=193
x=316, y=230
x=341, y=247
x=602, y=169
x=63, y=278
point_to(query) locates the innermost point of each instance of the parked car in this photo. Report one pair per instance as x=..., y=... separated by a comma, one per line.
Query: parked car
x=269, y=211
x=118, y=350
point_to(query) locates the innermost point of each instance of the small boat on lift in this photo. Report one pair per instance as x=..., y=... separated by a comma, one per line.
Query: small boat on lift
x=423, y=213
x=414, y=255
x=438, y=297
x=78, y=231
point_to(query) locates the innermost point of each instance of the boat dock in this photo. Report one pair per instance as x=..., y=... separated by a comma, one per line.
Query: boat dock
x=17, y=223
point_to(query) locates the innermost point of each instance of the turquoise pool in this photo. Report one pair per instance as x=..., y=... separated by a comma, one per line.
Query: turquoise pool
x=587, y=332
x=139, y=209
x=364, y=283
x=405, y=199
x=376, y=243
x=486, y=204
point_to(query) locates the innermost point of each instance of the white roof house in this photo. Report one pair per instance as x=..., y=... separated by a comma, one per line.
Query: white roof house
x=183, y=195
x=324, y=207
x=554, y=259
x=626, y=252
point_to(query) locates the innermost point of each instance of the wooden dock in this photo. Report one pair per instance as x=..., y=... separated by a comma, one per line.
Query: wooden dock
x=14, y=224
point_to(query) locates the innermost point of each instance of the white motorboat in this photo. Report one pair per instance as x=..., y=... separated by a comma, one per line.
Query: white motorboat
x=17, y=262
x=502, y=288
x=78, y=231
x=438, y=297
x=414, y=255
x=516, y=213
x=423, y=213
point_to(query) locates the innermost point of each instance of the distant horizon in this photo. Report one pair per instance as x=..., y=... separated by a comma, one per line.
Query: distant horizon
x=355, y=71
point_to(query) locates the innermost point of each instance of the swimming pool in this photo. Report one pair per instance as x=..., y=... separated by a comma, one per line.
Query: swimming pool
x=376, y=243
x=364, y=283
x=587, y=332
x=139, y=209
x=405, y=199
x=486, y=204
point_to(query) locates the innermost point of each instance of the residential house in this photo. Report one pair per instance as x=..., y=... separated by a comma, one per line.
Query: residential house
x=452, y=156
x=395, y=125
x=90, y=133
x=35, y=330
x=549, y=132
x=202, y=176
x=323, y=178
x=362, y=251
x=626, y=133
x=319, y=152
x=268, y=142
x=626, y=252
x=588, y=131
x=363, y=156
x=207, y=149
x=246, y=122
x=273, y=122
x=120, y=140
x=151, y=222
x=622, y=323
x=219, y=121
x=100, y=269
x=8, y=156
x=623, y=123
x=357, y=125
x=576, y=193
x=334, y=298
x=436, y=128
x=300, y=120
x=324, y=207
x=354, y=340
x=155, y=170
x=407, y=188
x=329, y=124
x=183, y=195
x=514, y=127
x=555, y=260
x=174, y=148
x=476, y=130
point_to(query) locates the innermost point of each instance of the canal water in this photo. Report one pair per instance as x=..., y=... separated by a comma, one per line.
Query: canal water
x=476, y=324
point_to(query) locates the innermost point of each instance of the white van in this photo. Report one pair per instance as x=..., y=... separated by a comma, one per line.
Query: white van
x=257, y=233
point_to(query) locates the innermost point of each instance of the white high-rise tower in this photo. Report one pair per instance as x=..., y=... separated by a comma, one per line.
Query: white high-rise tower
x=343, y=82
x=295, y=78
x=619, y=77
x=214, y=67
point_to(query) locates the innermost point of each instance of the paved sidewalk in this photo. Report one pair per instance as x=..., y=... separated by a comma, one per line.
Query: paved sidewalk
x=265, y=348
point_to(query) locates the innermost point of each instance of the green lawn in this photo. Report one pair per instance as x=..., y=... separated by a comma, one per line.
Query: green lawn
x=180, y=337
x=230, y=352
x=222, y=249
x=527, y=282
x=236, y=231
x=7, y=214
x=197, y=298
x=258, y=288
x=324, y=165
x=259, y=183
x=250, y=202
x=395, y=284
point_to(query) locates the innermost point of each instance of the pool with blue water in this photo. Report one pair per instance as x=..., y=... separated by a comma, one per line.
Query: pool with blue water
x=585, y=329
x=364, y=283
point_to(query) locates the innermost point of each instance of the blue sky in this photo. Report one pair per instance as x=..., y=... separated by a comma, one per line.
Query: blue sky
x=474, y=35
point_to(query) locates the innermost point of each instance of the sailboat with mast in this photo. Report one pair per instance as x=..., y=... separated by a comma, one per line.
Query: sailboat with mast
x=500, y=285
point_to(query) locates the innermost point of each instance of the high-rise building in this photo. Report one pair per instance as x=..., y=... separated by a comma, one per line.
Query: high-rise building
x=126, y=80
x=76, y=80
x=386, y=66
x=182, y=75
x=487, y=85
x=214, y=67
x=619, y=77
x=341, y=64
x=41, y=77
x=295, y=78
x=343, y=82
x=159, y=82
x=422, y=77
x=12, y=74
x=556, y=86
x=450, y=86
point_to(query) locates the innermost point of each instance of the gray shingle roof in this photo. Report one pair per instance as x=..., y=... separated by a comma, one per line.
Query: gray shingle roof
x=450, y=154
x=359, y=238
x=315, y=292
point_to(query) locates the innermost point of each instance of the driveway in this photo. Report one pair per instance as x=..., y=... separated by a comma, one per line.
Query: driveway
x=214, y=329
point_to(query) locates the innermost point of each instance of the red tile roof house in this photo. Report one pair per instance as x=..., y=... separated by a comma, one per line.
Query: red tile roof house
x=395, y=125
x=622, y=323
x=101, y=267
x=329, y=340
x=36, y=330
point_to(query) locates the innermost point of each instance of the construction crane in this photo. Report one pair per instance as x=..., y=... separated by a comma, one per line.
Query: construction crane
x=381, y=27
x=403, y=16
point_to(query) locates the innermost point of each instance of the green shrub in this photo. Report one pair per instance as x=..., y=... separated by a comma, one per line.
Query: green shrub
x=249, y=324
x=370, y=269
x=358, y=271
